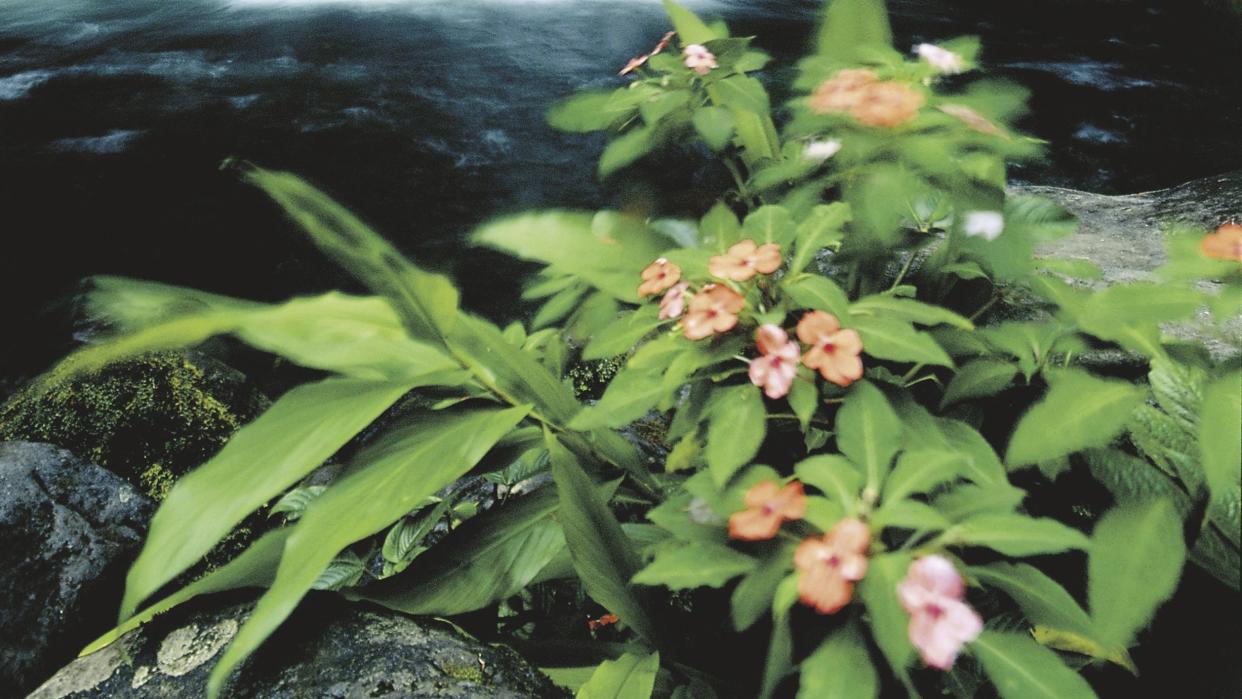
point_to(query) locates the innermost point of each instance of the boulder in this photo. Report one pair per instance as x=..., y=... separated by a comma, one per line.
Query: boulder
x=70, y=530
x=328, y=648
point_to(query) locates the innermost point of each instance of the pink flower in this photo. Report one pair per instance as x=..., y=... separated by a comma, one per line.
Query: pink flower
x=699, y=59
x=829, y=567
x=674, y=301
x=777, y=364
x=745, y=259
x=940, y=622
x=942, y=60
x=658, y=276
x=711, y=311
x=768, y=504
x=833, y=352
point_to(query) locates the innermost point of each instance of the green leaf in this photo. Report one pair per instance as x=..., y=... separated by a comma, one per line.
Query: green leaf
x=622, y=334
x=583, y=112
x=297, y=434
x=823, y=226
x=770, y=224
x=891, y=338
x=1136, y=560
x=488, y=558
x=978, y=379
x=804, y=399
x=840, y=669
x=909, y=309
x=909, y=514
x=981, y=465
x=1019, y=535
x=779, y=660
x=868, y=431
x=719, y=228
x=755, y=136
x=629, y=396
x=254, y=567
x=385, y=481
x=889, y=621
x=625, y=149
x=752, y=598
x=427, y=303
x=690, y=29
x=628, y=677
x=1079, y=411
x=742, y=93
x=920, y=471
x=715, y=125
x=602, y=554
x=851, y=27
x=1220, y=442
x=818, y=293
x=834, y=476
x=966, y=501
x=735, y=430
x=696, y=564
x=1022, y=669
x=1043, y=601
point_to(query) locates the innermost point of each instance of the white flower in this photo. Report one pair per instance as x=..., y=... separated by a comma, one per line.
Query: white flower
x=819, y=151
x=942, y=60
x=699, y=59
x=986, y=224
x=702, y=513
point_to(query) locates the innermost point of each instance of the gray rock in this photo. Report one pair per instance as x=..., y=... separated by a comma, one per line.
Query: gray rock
x=329, y=648
x=69, y=530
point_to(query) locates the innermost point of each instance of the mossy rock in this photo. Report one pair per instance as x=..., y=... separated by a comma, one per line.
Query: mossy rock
x=149, y=420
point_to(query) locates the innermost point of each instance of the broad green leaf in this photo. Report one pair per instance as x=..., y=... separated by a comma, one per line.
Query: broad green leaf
x=840, y=669
x=891, y=338
x=297, y=434
x=834, y=476
x=978, y=379
x=696, y=564
x=779, y=660
x=629, y=677
x=673, y=516
x=662, y=104
x=488, y=558
x=690, y=29
x=623, y=333
x=851, y=27
x=1043, y=601
x=920, y=471
x=1220, y=443
x=804, y=399
x=1019, y=535
x=1136, y=560
x=981, y=465
x=1020, y=668
x=823, y=226
x=889, y=621
x=770, y=224
x=254, y=567
x=715, y=125
x=755, y=136
x=1079, y=411
x=572, y=242
x=602, y=554
x=752, y=598
x=629, y=396
x=966, y=501
x=743, y=94
x=909, y=514
x=719, y=229
x=385, y=481
x=818, y=293
x=869, y=432
x=735, y=430
x=626, y=149
x=427, y=303
x=583, y=112
x=909, y=309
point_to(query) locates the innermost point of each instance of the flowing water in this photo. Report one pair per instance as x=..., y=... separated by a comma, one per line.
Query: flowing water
x=426, y=117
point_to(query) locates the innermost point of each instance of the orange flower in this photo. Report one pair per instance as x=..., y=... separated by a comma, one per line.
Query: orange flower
x=1224, y=244
x=834, y=352
x=767, y=506
x=658, y=276
x=830, y=566
x=888, y=104
x=713, y=310
x=843, y=91
x=744, y=259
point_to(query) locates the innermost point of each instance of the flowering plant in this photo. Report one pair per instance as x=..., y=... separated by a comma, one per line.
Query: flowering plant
x=824, y=356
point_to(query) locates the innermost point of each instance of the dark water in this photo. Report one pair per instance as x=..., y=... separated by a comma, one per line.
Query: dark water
x=425, y=116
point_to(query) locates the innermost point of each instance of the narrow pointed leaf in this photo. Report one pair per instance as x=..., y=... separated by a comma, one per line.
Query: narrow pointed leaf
x=869, y=431
x=1080, y=411
x=1020, y=668
x=629, y=677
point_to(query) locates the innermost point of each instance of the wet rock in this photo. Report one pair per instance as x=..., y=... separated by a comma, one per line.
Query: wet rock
x=69, y=530
x=328, y=648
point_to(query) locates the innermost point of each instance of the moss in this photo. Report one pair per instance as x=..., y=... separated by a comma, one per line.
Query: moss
x=465, y=672
x=591, y=377
x=149, y=420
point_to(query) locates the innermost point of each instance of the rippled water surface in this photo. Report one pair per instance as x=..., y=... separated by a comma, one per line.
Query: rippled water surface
x=426, y=116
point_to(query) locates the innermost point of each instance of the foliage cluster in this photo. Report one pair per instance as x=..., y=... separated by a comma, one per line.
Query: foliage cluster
x=843, y=435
